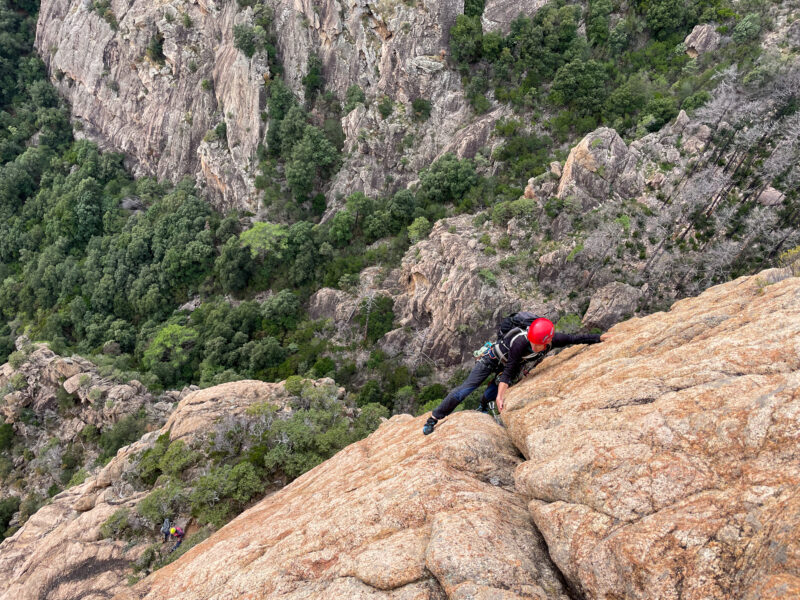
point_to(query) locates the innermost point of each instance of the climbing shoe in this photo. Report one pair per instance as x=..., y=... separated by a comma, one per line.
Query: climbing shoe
x=483, y=408
x=429, y=425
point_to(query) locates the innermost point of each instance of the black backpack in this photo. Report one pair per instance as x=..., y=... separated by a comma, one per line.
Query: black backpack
x=519, y=320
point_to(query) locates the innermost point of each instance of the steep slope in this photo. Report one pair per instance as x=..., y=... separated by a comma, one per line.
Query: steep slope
x=663, y=463
x=393, y=516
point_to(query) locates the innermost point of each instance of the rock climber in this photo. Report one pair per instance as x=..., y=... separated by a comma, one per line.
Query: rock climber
x=177, y=533
x=523, y=340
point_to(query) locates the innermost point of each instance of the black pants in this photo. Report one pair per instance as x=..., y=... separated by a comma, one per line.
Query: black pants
x=483, y=368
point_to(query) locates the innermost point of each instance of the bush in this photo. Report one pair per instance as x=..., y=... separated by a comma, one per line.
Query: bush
x=125, y=431
x=353, y=96
x=385, y=107
x=244, y=39
x=77, y=478
x=6, y=436
x=748, y=29
x=155, y=49
x=161, y=503
x=421, y=108
x=377, y=316
x=8, y=506
x=419, y=229
x=118, y=525
x=218, y=495
x=177, y=459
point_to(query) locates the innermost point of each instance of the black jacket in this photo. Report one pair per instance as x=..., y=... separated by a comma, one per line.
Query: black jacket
x=518, y=351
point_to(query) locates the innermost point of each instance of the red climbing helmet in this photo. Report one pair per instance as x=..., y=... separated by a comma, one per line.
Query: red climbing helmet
x=540, y=332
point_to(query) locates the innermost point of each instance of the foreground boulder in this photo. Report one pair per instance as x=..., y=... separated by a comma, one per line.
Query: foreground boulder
x=663, y=463
x=397, y=515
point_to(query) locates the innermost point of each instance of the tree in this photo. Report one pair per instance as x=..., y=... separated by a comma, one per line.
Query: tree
x=448, y=179
x=313, y=80
x=580, y=85
x=312, y=157
x=292, y=129
x=244, y=39
x=665, y=16
x=234, y=266
x=466, y=39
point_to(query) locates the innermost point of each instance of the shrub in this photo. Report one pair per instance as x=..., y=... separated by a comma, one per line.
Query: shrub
x=244, y=39
x=126, y=430
x=353, y=96
x=118, y=525
x=161, y=503
x=377, y=316
x=385, y=107
x=155, y=49
x=219, y=494
x=77, y=478
x=748, y=29
x=177, y=458
x=419, y=229
x=421, y=108
x=6, y=436
x=570, y=323
x=473, y=8
x=8, y=506
x=16, y=359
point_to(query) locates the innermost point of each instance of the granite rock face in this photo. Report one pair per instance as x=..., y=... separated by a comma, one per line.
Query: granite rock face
x=453, y=294
x=663, y=462
x=158, y=113
x=397, y=515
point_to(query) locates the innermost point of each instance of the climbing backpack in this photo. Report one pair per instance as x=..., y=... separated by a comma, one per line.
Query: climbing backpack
x=518, y=320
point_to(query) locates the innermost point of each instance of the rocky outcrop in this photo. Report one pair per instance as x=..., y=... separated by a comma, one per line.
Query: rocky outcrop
x=599, y=167
x=702, y=39
x=60, y=553
x=453, y=293
x=611, y=304
x=663, y=462
x=397, y=515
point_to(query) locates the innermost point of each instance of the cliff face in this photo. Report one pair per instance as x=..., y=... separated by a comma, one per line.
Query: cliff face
x=663, y=463
x=158, y=114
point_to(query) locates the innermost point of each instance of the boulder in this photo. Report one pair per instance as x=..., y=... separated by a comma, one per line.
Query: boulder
x=663, y=462
x=611, y=304
x=397, y=515
x=597, y=168
x=328, y=303
x=770, y=197
x=702, y=39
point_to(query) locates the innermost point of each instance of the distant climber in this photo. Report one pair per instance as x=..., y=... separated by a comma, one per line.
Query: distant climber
x=177, y=533
x=165, y=526
x=523, y=340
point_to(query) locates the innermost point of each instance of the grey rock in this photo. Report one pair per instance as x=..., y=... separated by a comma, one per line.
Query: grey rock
x=702, y=39
x=770, y=197
x=611, y=304
x=599, y=167
x=793, y=34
